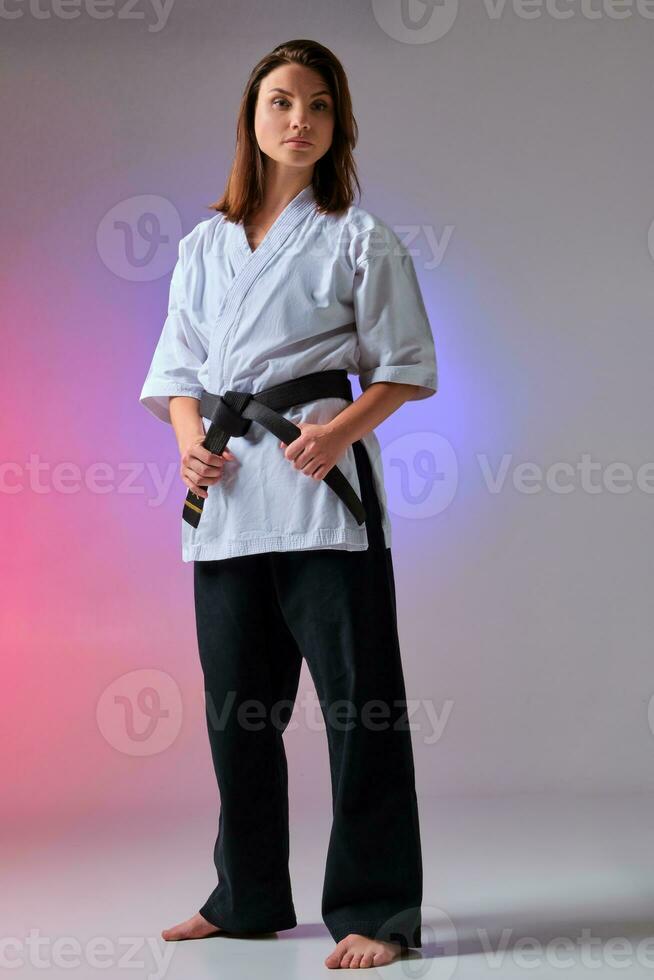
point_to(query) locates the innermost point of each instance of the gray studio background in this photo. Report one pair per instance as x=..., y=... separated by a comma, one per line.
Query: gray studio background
x=515, y=153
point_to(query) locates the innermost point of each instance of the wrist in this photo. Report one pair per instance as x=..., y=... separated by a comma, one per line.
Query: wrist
x=341, y=431
x=187, y=435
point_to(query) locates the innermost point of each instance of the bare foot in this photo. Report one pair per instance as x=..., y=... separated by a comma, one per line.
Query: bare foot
x=360, y=951
x=196, y=927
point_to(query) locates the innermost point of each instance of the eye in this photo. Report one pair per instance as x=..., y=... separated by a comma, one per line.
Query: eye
x=320, y=104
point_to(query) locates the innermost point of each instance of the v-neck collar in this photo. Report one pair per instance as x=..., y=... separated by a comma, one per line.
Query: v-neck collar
x=248, y=265
x=294, y=205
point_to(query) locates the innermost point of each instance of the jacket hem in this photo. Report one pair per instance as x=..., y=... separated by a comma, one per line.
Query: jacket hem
x=341, y=538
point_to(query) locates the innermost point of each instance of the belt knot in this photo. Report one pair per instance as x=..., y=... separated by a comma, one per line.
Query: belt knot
x=228, y=412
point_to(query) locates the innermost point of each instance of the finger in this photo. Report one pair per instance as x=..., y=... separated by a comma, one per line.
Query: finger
x=306, y=460
x=200, y=452
x=201, y=473
x=296, y=447
x=201, y=479
x=199, y=465
x=198, y=480
x=296, y=454
x=203, y=468
x=194, y=488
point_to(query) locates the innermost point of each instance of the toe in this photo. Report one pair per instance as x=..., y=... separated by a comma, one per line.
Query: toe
x=333, y=961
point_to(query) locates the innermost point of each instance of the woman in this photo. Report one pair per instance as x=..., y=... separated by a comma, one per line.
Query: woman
x=291, y=287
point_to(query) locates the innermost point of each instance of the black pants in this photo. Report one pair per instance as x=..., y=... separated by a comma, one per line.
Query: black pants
x=257, y=616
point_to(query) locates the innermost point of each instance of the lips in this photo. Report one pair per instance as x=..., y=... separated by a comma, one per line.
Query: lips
x=303, y=142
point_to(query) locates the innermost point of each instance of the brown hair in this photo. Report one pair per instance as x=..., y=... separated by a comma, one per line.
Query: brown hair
x=334, y=175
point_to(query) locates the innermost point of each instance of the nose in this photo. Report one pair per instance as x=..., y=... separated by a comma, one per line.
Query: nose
x=300, y=121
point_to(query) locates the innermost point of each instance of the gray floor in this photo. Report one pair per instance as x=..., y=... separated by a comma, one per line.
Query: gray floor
x=531, y=885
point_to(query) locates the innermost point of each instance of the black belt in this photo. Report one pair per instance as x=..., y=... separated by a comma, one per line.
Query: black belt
x=232, y=413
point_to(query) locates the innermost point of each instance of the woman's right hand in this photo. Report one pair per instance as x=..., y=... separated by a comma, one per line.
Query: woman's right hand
x=200, y=468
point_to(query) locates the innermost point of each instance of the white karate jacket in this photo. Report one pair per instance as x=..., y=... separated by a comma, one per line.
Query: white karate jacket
x=319, y=292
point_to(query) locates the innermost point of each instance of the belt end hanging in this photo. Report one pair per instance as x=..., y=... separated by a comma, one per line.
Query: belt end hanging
x=192, y=511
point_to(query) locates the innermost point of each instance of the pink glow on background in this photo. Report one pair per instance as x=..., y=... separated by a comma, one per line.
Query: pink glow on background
x=521, y=609
x=94, y=583
x=96, y=586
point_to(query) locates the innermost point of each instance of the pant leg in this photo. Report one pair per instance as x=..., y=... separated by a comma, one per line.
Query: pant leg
x=247, y=652
x=340, y=606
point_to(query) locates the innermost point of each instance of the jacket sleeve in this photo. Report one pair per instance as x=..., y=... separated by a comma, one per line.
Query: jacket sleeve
x=394, y=335
x=180, y=351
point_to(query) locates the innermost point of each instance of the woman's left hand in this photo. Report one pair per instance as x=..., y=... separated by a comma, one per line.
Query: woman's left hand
x=316, y=450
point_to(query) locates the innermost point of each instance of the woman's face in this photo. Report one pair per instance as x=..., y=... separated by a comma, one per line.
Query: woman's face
x=294, y=101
